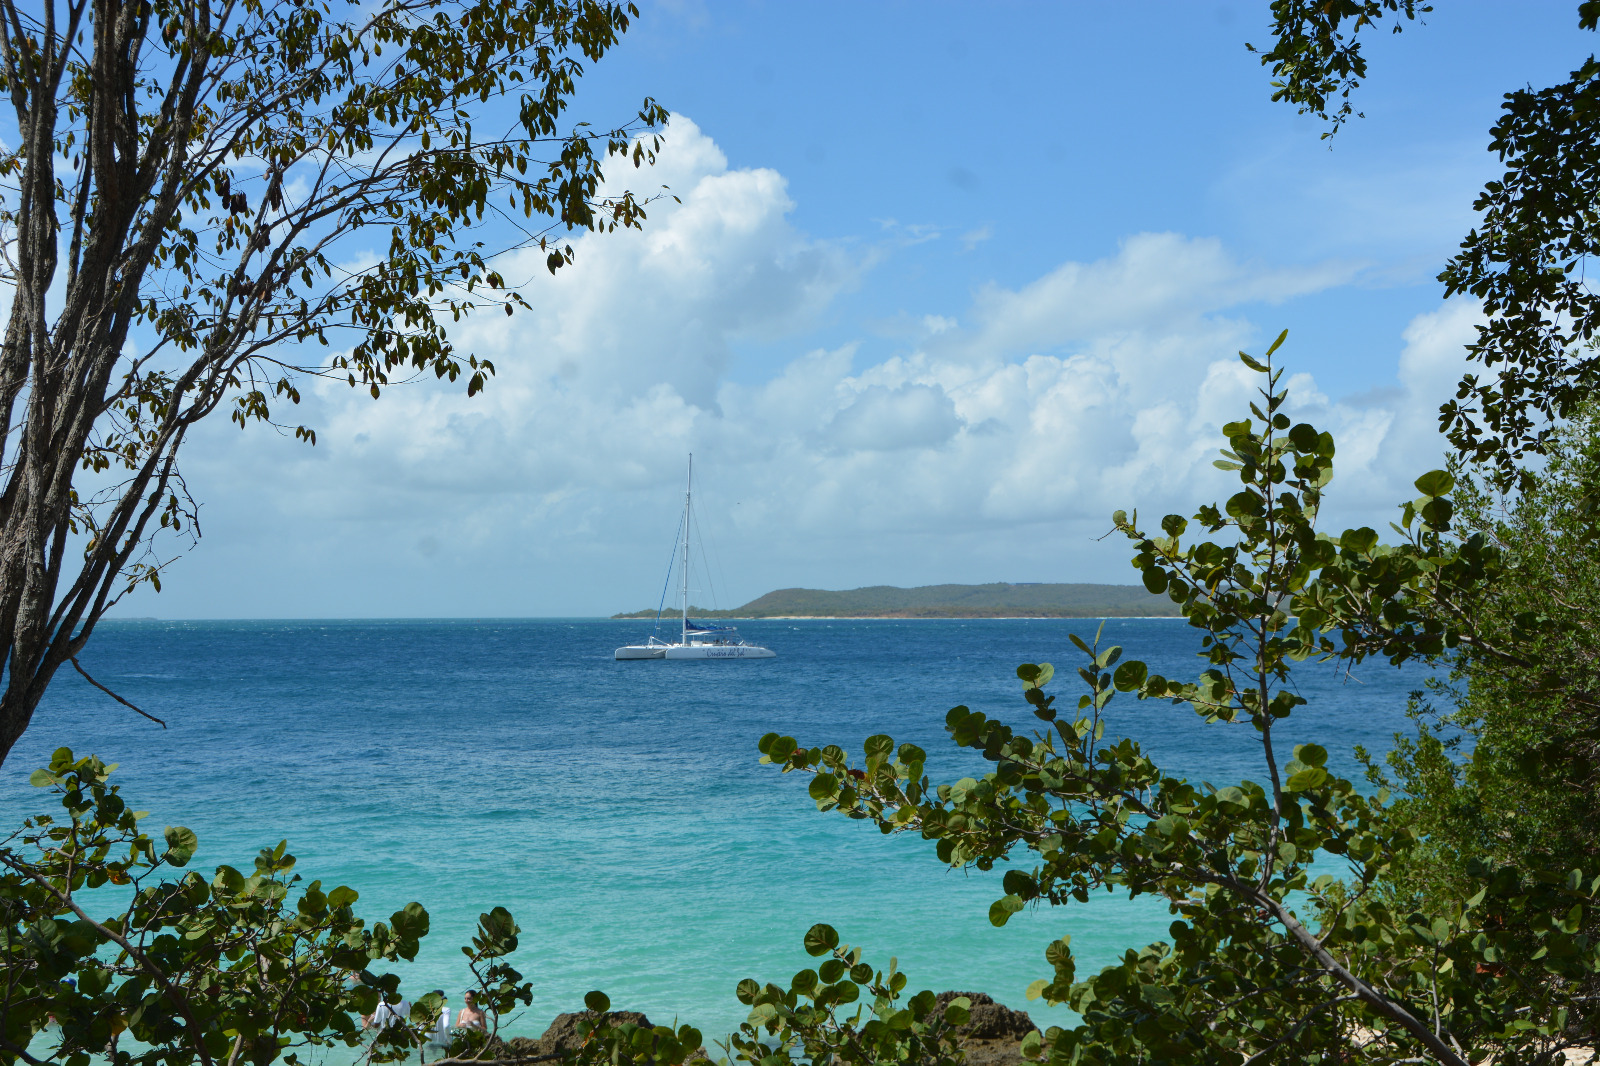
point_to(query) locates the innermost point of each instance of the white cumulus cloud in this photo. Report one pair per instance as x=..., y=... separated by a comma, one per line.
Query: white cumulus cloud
x=995, y=447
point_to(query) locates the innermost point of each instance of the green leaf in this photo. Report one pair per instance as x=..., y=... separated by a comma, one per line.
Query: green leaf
x=1130, y=675
x=823, y=787
x=41, y=778
x=1278, y=343
x=1039, y=675
x=1036, y=989
x=1002, y=909
x=597, y=1001
x=821, y=939
x=878, y=745
x=1252, y=363
x=1311, y=754
x=1305, y=438
x=1301, y=780
x=1435, y=483
x=1361, y=540
x=181, y=844
x=1155, y=580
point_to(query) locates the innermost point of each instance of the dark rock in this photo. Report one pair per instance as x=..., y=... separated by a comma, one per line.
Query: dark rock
x=563, y=1032
x=993, y=1035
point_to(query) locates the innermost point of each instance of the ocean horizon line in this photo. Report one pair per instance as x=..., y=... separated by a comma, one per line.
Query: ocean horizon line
x=609, y=618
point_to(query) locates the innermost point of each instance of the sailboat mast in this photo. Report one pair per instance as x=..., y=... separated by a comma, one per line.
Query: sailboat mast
x=688, y=493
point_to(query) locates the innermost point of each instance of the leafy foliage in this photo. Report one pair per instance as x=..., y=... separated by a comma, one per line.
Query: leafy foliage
x=243, y=968
x=1512, y=771
x=209, y=203
x=1315, y=56
x=804, y=1019
x=1525, y=262
x=1271, y=956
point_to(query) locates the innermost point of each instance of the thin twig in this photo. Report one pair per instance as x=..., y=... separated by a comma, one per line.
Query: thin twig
x=79, y=667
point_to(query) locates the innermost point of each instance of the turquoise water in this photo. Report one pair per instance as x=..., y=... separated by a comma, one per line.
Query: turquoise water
x=617, y=809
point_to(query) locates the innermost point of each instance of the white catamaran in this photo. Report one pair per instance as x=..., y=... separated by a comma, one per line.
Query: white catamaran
x=696, y=641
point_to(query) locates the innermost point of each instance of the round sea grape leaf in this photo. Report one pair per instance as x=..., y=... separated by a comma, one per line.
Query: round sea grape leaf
x=831, y=970
x=804, y=982
x=599, y=1002
x=861, y=973
x=1155, y=580
x=845, y=992
x=1130, y=675
x=1001, y=910
x=1435, y=483
x=1234, y=795
x=41, y=778
x=1359, y=540
x=911, y=754
x=1310, y=777
x=1311, y=754
x=821, y=939
x=746, y=991
x=823, y=787
x=181, y=843
x=411, y=921
x=878, y=744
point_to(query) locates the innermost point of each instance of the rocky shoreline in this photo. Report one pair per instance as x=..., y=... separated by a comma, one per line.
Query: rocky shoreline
x=992, y=1036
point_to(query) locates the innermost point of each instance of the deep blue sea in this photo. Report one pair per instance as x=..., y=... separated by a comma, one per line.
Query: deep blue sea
x=618, y=809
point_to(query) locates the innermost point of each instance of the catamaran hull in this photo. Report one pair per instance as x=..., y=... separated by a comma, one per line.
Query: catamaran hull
x=720, y=651
x=641, y=651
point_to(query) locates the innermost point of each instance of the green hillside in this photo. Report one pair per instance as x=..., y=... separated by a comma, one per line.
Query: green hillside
x=998, y=600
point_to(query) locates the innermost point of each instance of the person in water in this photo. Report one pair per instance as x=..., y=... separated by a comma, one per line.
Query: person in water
x=471, y=1016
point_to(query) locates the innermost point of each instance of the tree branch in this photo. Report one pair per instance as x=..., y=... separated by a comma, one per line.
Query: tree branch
x=79, y=667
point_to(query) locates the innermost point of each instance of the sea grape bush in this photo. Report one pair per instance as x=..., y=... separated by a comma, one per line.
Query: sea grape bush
x=263, y=967
x=244, y=968
x=804, y=1021
x=1270, y=957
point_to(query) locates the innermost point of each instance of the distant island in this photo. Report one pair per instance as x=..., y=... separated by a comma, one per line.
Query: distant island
x=997, y=600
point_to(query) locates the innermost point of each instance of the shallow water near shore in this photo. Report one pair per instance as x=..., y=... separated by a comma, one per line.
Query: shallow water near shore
x=617, y=809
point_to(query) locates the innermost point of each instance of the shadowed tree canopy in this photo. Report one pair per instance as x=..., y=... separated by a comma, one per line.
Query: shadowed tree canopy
x=1526, y=261
x=177, y=215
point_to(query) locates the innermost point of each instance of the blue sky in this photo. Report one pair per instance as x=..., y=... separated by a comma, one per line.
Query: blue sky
x=949, y=283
